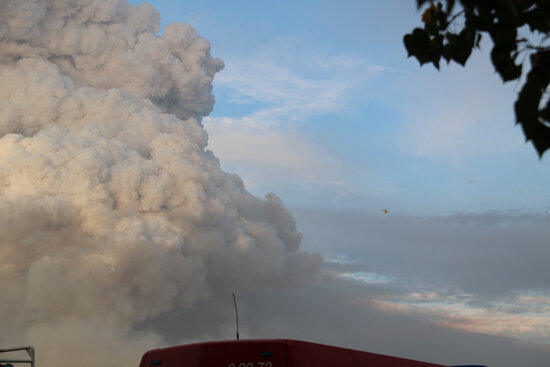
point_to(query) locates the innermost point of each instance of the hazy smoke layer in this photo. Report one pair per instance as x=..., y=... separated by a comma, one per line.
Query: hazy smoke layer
x=112, y=211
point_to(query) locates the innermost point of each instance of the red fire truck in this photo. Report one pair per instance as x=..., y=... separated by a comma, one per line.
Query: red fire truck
x=271, y=353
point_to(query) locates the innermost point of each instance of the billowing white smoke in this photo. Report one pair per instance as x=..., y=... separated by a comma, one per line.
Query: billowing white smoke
x=112, y=210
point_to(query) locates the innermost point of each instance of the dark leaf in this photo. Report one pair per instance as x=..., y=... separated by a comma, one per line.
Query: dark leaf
x=482, y=20
x=419, y=3
x=544, y=114
x=507, y=11
x=418, y=44
x=501, y=19
x=527, y=104
x=478, y=40
x=450, y=6
x=435, y=57
x=538, y=133
x=466, y=40
x=538, y=19
x=505, y=64
x=504, y=36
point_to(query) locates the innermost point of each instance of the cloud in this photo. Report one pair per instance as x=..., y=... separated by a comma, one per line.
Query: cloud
x=473, y=262
x=495, y=217
x=119, y=231
x=112, y=211
x=266, y=154
x=478, y=258
x=265, y=141
x=283, y=89
x=352, y=320
x=342, y=312
x=518, y=316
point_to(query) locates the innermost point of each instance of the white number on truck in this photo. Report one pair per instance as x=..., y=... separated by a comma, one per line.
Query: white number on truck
x=251, y=364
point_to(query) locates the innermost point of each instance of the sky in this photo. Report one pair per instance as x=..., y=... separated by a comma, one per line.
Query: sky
x=317, y=103
x=349, y=121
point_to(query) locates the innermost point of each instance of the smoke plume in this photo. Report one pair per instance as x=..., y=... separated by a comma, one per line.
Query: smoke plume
x=113, y=212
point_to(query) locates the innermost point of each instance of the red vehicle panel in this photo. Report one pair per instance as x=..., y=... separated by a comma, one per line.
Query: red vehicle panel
x=270, y=353
x=319, y=355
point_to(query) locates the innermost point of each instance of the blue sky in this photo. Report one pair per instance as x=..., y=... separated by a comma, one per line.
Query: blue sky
x=319, y=104
x=359, y=124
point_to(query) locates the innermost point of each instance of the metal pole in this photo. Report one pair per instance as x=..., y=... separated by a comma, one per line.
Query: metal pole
x=237, y=315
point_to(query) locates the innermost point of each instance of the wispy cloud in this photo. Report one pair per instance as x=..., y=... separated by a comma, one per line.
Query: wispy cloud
x=389, y=328
x=264, y=153
x=287, y=90
x=496, y=217
x=481, y=272
x=272, y=92
x=253, y=82
x=524, y=316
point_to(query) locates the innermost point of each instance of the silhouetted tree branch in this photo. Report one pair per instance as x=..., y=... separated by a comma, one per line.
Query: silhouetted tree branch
x=441, y=37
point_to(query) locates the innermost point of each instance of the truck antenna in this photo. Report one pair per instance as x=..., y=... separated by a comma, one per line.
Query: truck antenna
x=236, y=315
